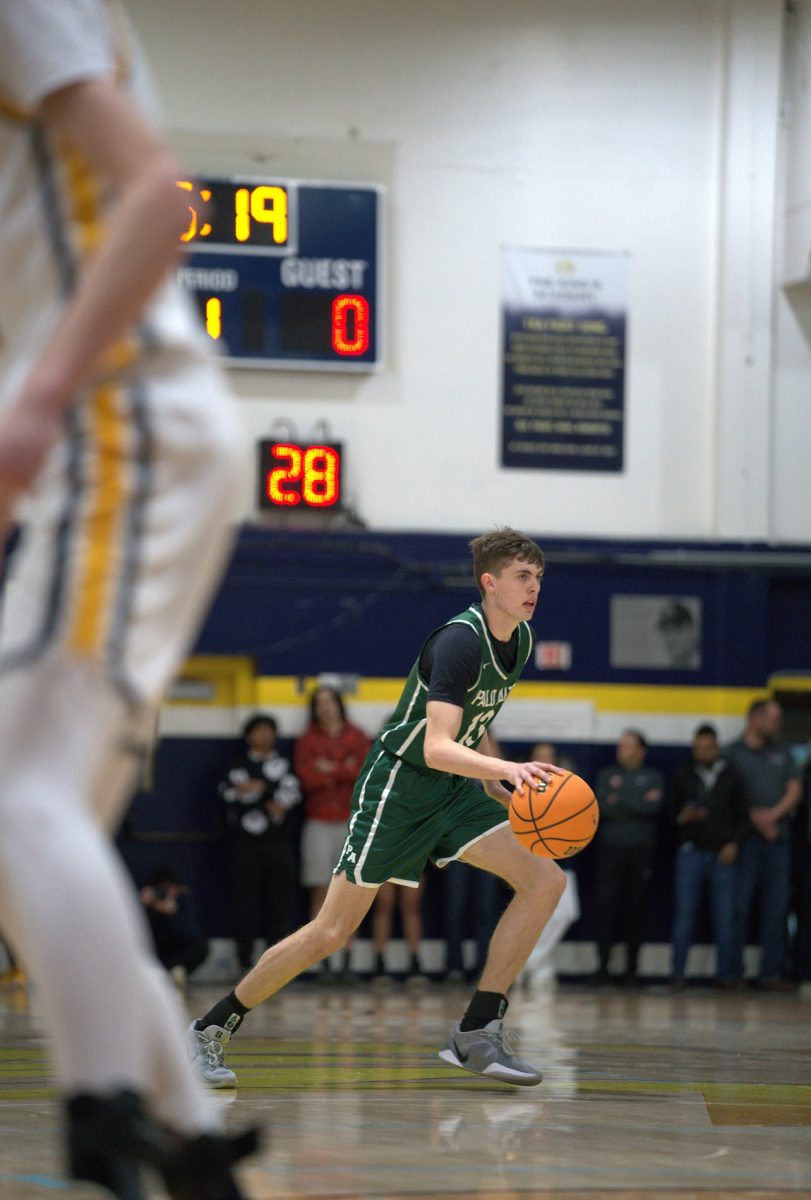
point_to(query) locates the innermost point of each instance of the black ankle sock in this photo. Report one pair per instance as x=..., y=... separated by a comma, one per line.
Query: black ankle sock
x=483, y=1008
x=227, y=1013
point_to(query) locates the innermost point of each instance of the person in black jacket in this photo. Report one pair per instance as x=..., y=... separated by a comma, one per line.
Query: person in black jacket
x=707, y=806
x=630, y=795
x=259, y=791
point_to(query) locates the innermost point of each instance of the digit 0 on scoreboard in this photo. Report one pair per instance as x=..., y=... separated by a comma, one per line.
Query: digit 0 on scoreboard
x=300, y=476
x=350, y=325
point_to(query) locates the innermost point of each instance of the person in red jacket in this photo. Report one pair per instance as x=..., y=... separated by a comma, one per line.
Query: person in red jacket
x=327, y=760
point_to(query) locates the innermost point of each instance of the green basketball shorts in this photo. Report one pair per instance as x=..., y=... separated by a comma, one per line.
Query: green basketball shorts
x=402, y=816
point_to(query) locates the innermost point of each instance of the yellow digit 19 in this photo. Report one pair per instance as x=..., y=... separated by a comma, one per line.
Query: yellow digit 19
x=267, y=205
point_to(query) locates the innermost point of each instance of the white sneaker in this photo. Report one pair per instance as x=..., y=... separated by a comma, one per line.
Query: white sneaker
x=208, y=1057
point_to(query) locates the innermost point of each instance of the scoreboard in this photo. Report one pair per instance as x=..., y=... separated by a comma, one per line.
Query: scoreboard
x=285, y=272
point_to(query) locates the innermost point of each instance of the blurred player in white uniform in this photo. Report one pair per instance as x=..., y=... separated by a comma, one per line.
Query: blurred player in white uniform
x=120, y=439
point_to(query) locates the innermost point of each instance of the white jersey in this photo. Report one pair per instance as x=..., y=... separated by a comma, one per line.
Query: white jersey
x=51, y=203
x=124, y=542
x=126, y=526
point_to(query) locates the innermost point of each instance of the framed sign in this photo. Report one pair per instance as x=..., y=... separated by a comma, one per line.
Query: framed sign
x=563, y=359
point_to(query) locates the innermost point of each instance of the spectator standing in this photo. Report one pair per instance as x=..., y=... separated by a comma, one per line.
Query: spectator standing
x=260, y=791
x=772, y=790
x=630, y=795
x=802, y=888
x=180, y=944
x=327, y=758
x=706, y=805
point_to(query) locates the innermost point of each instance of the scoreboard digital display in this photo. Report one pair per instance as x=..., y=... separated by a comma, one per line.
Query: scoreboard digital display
x=285, y=273
x=300, y=476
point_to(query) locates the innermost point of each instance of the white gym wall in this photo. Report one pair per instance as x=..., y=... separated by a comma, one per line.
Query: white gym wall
x=657, y=127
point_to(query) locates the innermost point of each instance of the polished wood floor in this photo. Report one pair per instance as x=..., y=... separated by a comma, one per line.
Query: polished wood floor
x=689, y=1096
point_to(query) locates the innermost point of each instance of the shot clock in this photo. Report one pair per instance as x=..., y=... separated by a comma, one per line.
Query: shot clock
x=296, y=476
x=285, y=272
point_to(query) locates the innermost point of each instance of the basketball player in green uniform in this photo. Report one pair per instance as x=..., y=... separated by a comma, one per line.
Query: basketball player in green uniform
x=417, y=798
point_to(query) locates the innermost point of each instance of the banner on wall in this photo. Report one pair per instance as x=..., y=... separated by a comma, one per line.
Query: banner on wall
x=563, y=359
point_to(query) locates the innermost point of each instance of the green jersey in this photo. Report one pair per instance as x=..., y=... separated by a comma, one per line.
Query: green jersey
x=404, y=733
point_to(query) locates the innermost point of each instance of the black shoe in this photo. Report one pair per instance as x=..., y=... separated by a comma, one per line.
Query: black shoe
x=108, y=1138
x=379, y=978
x=199, y=1168
x=774, y=985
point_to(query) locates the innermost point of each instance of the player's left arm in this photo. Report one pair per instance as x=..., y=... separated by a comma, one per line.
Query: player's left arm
x=97, y=120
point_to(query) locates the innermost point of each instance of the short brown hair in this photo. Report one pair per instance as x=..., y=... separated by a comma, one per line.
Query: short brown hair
x=492, y=551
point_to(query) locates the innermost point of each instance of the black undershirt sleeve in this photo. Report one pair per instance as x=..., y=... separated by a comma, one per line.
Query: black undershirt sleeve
x=450, y=663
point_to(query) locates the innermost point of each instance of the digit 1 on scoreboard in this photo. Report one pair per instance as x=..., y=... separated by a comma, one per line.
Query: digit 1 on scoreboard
x=214, y=317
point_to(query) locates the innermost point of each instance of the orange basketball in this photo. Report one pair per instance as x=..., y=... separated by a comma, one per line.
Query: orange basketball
x=557, y=819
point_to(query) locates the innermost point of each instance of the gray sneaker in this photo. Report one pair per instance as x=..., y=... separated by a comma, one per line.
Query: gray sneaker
x=208, y=1057
x=490, y=1052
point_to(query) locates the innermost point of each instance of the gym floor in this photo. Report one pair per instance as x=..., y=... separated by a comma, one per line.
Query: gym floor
x=688, y=1096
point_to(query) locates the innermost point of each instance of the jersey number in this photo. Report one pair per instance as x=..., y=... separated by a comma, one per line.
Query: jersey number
x=478, y=728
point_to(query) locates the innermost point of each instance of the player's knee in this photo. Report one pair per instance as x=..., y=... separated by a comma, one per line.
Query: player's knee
x=558, y=880
x=332, y=932
x=548, y=879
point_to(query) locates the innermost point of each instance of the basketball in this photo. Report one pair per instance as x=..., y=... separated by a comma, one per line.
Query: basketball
x=556, y=819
